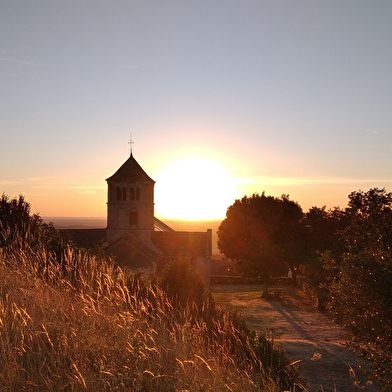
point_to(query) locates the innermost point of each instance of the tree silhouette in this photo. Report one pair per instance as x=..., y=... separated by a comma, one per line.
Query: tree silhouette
x=14, y=218
x=263, y=235
x=361, y=292
x=18, y=226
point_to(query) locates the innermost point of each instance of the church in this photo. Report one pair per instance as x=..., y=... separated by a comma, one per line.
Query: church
x=134, y=237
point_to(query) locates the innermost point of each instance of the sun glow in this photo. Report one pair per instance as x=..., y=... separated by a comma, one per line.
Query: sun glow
x=193, y=189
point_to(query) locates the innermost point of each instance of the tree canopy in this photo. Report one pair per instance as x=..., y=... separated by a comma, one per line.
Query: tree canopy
x=18, y=226
x=263, y=235
x=361, y=292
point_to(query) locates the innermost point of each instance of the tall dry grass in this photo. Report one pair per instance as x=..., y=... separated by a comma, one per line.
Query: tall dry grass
x=86, y=325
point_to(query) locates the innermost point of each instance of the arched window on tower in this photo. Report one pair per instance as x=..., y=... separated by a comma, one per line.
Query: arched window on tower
x=138, y=194
x=132, y=194
x=118, y=197
x=124, y=194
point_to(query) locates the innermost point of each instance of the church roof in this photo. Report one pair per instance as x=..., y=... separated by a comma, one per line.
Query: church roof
x=160, y=226
x=85, y=238
x=130, y=171
x=131, y=252
x=181, y=243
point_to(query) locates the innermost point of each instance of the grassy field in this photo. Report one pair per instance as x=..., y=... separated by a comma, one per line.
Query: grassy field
x=86, y=325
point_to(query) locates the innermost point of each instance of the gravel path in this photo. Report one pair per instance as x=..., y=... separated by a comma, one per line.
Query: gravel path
x=304, y=332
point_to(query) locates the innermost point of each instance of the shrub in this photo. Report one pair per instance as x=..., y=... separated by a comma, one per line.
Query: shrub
x=183, y=284
x=362, y=300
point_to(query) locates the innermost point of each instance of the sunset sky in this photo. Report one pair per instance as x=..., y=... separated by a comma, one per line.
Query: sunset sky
x=224, y=98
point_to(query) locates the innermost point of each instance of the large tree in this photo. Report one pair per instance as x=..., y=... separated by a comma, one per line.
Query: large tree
x=263, y=235
x=361, y=293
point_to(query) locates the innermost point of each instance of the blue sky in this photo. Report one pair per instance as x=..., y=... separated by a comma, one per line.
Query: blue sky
x=286, y=96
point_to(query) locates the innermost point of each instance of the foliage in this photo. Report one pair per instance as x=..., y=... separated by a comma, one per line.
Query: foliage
x=324, y=245
x=183, y=284
x=323, y=229
x=277, y=361
x=86, y=325
x=17, y=225
x=263, y=235
x=361, y=293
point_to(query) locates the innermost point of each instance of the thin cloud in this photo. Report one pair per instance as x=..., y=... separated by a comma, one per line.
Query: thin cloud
x=339, y=180
x=23, y=62
x=86, y=192
x=259, y=180
x=77, y=188
x=10, y=182
x=54, y=182
x=86, y=189
x=372, y=131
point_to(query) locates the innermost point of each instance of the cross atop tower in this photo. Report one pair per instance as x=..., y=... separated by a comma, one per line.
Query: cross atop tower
x=130, y=144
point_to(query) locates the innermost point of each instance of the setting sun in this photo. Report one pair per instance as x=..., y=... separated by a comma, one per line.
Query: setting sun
x=193, y=188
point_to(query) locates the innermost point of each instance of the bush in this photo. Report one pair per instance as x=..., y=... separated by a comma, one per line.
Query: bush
x=362, y=300
x=183, y=284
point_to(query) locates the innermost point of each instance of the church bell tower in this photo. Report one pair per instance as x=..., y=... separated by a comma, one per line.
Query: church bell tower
x=130, y=206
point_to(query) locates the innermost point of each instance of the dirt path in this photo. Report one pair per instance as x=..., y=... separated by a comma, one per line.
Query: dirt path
x=304, y=332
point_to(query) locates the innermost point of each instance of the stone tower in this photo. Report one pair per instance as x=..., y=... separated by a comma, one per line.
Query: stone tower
x=130, y=203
